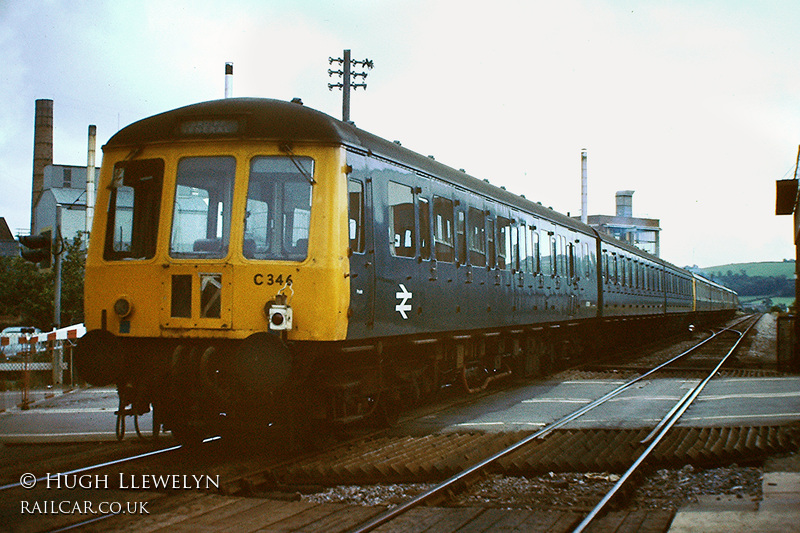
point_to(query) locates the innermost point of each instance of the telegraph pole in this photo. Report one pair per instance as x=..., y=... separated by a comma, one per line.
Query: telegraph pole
x=346, y=74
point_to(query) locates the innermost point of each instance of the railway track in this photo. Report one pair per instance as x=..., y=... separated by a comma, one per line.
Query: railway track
x=722, y=341
x=382, y=458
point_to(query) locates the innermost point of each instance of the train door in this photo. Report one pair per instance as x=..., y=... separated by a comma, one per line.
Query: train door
x=444, y=281
x=523, y=283
x=470, y=262
x=501, y=279
x=199, y=291
x=398, y=284
x=362, y=248
x=547, y=284
x=477, y=274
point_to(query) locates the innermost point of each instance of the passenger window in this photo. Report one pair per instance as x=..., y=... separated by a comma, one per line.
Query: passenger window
x=490, y=244
x=614, y=270
x=443, y=229
x=529, y=250
x=571, y=260
x=556, y=253
x=514, y=248
x=537, y=266
x=477, y=237
x=587, y=260
x=522, y=249
x=503, y=242
x=546, y=248
x=355, y=196
x=424, y=228
x=401, y=220
x=461, y=238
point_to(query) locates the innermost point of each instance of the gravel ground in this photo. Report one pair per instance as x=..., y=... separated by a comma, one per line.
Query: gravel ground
x=662, y=489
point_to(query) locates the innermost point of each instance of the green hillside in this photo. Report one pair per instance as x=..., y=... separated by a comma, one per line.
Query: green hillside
x=760, y=285
x=769, y=269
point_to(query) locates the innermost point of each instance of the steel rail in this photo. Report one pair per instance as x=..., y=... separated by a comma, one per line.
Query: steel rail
x=103, y=465
x=443, y=486
x=99, y=518
x=665, y=425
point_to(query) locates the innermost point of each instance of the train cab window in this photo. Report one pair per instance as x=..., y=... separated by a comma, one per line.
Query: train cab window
x=355, y=196
x=461, y=237
x=424, y=228
x=503, y=242
x=278, y=214
x=133, y=210
x=443, y=229
x=401, y=220
x=201, y=217
x=477, y=237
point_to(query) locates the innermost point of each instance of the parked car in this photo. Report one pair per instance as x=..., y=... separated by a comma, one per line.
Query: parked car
x=14, y=348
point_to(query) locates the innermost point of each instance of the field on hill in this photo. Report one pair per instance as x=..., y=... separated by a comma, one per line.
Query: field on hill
x=760, y=285
x=767, y=269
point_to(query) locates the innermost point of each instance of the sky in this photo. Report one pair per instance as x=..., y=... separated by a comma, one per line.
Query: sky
x=692, y=104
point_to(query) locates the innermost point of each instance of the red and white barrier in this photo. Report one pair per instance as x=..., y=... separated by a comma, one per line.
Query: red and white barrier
x=69, y=332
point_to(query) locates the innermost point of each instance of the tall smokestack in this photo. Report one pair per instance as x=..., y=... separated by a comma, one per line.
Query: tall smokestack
x=90, y=178
x=228, y=80
x=584, y=189
x=42, y=150
x=625, y=204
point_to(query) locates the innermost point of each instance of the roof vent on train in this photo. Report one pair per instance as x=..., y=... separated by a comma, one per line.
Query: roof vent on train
x=298, y=101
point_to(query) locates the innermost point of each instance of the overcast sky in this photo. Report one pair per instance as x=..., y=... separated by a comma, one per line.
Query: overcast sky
x=693, y=104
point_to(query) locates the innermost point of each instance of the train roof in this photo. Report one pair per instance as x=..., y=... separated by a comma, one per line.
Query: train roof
x=291, y=122
x=277, y=120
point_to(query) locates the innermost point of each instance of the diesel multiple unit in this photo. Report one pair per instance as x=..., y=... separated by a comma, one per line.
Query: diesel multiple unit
x=253, y=259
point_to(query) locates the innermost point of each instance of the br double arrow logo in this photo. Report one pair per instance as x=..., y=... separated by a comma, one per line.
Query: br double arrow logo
x=405, y=296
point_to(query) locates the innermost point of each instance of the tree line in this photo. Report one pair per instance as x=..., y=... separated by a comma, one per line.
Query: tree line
x=27, y=293
x=773, y=286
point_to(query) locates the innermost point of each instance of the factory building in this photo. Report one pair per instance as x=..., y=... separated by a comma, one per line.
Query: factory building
x=640, y=232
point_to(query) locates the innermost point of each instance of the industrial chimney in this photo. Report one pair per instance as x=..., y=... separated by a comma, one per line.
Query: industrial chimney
x=584, y=189
x=228, y=79
x=90, y=158
x=625, y=204
x=42, y=150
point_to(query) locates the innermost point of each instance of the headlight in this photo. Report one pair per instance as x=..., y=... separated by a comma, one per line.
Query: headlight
x=123, y=307
x=279, y=315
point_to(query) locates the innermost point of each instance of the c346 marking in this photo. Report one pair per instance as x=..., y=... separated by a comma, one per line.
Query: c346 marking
x=272, y=279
